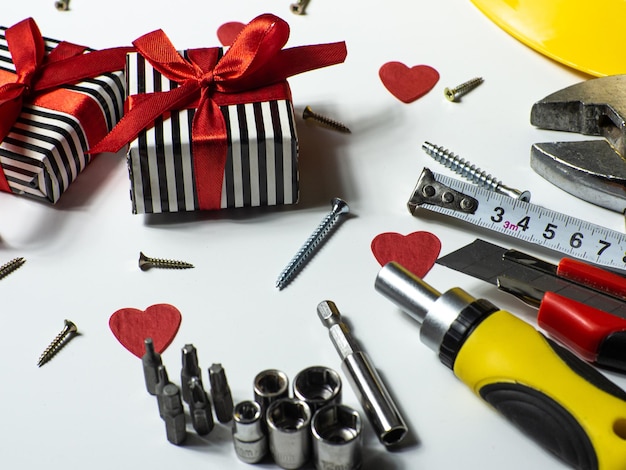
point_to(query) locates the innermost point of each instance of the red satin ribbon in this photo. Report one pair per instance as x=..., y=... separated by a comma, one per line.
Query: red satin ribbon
x=254, y=61
x=37, y=73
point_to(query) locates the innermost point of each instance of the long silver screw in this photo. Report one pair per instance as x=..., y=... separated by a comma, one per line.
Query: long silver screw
x=68, y=332
x=308, y=113
x=471, y=172
x=452, y=94
x=145, y=263
x=323, y=230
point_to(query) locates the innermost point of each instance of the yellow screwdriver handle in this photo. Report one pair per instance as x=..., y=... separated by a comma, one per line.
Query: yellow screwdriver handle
x=554, y=397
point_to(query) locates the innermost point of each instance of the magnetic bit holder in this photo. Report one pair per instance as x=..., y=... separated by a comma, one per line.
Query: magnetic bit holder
x=429, y=191
x=379, y=406
x=592, y=170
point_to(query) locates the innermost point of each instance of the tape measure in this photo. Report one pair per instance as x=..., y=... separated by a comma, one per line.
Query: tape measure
x=518, y=219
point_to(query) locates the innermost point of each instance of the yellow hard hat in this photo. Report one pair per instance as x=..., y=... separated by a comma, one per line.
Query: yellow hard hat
x=583, y=34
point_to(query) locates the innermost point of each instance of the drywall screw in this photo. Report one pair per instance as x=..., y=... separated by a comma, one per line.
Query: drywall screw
x=309, y=114
x=339, y=207
x=11, y=266
x=62, y=5
x=145, y=263
x=299, y=7
x=452, y=94
x=67, y=333
x=471, y=172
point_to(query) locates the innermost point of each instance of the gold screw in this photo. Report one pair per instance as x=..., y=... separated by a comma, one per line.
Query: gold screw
x=68, y=332
x=309, y=114
x=145, y=263
x=299, y=7
x=11, y=266
x=62, y=5
x=452, y=94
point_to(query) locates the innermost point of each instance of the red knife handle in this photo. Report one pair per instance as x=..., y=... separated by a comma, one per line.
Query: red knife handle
x=592, y=276
x=597, y=336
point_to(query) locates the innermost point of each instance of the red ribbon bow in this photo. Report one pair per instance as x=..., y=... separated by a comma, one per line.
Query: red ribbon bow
x=255, y=60
x=37, y=73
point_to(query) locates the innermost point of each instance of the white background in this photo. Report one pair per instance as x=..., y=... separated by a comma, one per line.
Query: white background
x=88, y=407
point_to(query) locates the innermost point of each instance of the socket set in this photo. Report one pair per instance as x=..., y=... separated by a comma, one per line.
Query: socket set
x=292, y=428
x=310, y=424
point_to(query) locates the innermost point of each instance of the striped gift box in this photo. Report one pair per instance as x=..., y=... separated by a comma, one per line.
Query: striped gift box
x=45, y=150
x=261, y=167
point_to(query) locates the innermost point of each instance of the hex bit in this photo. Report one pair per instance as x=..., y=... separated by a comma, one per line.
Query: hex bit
x=220, y=393
x=151, y=361
x=189, y=369
x=162, y=381
x=200, y=408
x=174, y=414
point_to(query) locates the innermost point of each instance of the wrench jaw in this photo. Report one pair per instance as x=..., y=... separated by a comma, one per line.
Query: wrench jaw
x=594, y=171
x=590, y=170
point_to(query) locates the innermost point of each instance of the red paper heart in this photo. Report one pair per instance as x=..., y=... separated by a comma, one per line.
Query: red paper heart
x=408, y=84
x=228, y=32
x=416, y=251
x=132, y=326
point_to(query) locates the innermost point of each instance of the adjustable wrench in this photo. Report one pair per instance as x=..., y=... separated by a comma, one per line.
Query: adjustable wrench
x=592, y=170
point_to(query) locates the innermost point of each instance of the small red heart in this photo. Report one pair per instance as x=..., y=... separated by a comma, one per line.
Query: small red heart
x=416, y=251
x=408, y=84
x=132, y=326
x=228, y=32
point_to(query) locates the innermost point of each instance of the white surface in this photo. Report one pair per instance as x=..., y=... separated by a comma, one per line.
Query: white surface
x=88, y=407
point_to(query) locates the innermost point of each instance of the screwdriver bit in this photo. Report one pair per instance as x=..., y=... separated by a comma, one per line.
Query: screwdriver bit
x=151, y=361
x=220, y=393
x=190, y=369
x=200, y=408
x=162, y=381
x=173, y=414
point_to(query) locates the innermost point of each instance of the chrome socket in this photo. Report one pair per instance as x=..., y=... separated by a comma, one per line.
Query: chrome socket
x=270, y=385
x=336, y=431
x=248, y=432
x=289, y=426
x=318, y=386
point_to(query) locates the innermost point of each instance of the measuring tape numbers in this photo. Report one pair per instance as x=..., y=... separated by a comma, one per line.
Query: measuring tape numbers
x=518, y=219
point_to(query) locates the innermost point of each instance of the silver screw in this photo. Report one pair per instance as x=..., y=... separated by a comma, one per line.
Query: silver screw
x=452, y=94
x=339, y=207
x=471, y=172
x=145, y=263
x=309, y=114
x=299, y=7
x=57, y=343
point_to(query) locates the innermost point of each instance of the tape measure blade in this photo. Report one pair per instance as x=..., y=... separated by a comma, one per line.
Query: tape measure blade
x=535, y=224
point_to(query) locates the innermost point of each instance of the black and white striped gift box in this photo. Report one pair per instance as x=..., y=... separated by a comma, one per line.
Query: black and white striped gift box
x=261, y=167
x=45, y=150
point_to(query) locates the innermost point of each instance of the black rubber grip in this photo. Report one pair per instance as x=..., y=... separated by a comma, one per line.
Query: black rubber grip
x=544, y=420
